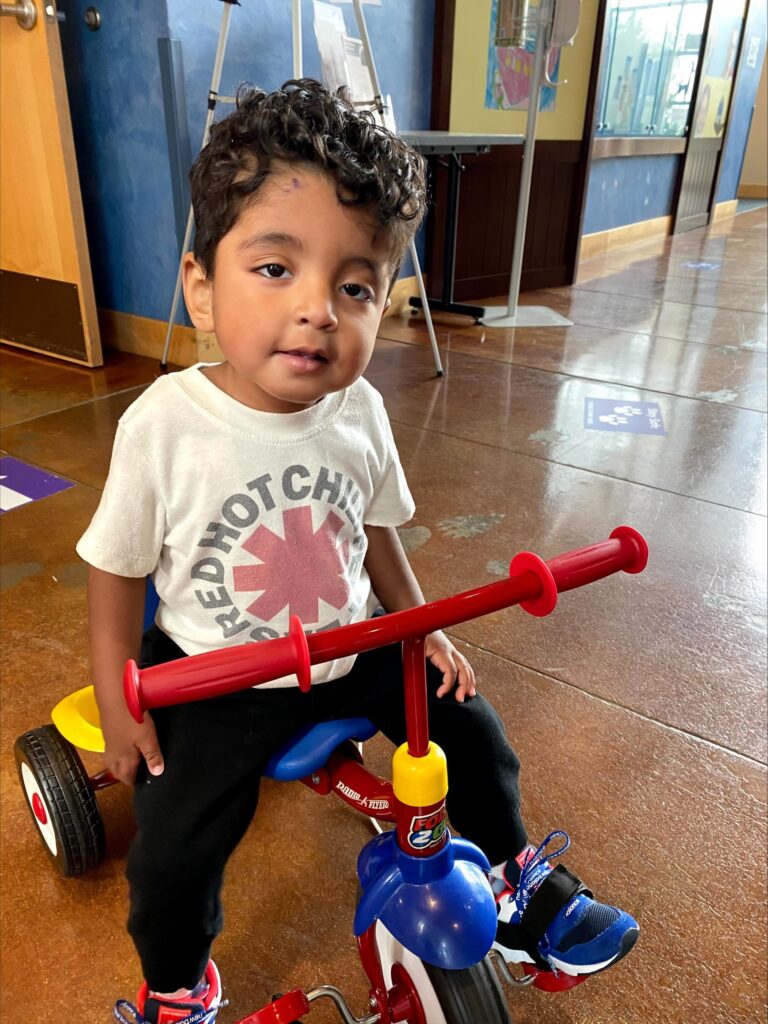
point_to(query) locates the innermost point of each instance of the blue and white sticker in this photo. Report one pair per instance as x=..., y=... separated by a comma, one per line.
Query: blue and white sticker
x=622, y=416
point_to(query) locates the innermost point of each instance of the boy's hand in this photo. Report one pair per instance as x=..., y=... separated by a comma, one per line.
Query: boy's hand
x=455, y=668
x=127, y=742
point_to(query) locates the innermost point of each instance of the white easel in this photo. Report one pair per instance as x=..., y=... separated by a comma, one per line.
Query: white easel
x=378, y=104
x=554, y=23
x=214, y=98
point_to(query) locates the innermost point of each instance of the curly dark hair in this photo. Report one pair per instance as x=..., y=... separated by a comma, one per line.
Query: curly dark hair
x=304, y=122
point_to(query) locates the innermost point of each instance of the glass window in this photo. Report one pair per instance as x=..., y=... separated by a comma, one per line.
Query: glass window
x=718, y=69
x=650, y=54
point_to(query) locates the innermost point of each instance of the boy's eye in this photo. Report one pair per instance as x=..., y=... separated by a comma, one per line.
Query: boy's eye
x=358, y=291
x=273, y=270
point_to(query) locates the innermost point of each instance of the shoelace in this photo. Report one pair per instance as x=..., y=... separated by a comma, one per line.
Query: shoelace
x=198, y=1017
x=123, y=1004
x=523, y=894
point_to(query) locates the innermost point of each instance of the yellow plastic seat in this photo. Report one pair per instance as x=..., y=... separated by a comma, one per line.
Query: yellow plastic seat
x=77, y=719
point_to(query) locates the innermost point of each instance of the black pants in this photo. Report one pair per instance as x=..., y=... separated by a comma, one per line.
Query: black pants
x=191, y=818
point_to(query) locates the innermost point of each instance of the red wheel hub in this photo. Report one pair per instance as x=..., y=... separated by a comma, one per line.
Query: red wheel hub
x=38, y=807
x=404, y=1002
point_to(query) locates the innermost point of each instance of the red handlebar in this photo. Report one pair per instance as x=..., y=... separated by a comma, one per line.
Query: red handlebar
x=532, y=583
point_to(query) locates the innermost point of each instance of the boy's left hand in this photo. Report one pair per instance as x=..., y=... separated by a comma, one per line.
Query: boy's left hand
x=455, y=668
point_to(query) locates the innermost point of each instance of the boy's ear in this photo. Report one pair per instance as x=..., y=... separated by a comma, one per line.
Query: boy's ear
x=197, y=293
x=387, y=304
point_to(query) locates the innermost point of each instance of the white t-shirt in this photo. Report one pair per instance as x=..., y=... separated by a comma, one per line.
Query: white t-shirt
x=243, y=518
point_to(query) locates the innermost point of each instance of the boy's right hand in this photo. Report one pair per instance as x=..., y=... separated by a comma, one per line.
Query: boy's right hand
x=127, y=742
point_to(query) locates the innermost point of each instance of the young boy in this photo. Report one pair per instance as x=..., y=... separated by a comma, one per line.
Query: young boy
x=266, y=485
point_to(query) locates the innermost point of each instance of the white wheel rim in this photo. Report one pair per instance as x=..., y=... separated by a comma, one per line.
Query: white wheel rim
x=393, y=952
x=40, y=808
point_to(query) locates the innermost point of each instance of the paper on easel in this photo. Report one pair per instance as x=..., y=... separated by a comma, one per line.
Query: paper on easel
x=359, y=76
x=330, y=33
x=342, y=58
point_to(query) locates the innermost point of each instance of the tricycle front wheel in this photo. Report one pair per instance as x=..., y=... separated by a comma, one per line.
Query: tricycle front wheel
x=61, y=800
x=468, y=996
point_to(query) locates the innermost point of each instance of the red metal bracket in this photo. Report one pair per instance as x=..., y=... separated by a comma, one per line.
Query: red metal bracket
x=285, y=1010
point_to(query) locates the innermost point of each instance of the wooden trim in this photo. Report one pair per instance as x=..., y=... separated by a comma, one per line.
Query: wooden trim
x=605, y=241
x=627, y=145
x=746, y=191
x=146, y=337
x=726, y=209
x=442, y=64
x=402, y=290
x=43, y=352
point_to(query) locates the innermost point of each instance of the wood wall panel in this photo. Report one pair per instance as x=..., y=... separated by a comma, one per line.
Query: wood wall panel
x=487, y=213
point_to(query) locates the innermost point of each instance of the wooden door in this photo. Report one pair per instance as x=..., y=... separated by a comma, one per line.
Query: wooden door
x=46, y=290
x=710, y=110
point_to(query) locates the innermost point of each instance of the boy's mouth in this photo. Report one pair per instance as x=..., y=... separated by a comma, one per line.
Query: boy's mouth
x=304, y=359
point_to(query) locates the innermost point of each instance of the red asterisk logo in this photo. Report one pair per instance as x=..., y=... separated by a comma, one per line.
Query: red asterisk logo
x=297, y=569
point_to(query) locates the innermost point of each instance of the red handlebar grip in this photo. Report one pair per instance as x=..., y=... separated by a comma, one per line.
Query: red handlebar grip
x=218, y=672
x=635, y=543
x=626, y=551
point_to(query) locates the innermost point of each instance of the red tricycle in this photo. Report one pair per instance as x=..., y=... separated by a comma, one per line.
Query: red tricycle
x=425, y=919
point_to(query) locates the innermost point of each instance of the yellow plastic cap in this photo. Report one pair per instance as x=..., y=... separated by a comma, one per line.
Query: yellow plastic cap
x=420, y=781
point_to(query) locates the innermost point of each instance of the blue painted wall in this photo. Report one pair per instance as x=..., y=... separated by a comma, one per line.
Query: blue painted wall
x=113, y=80
x=115, y=93
x=743, y=100
x=624, y=190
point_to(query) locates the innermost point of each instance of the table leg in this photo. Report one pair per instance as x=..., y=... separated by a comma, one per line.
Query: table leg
x=446, y=303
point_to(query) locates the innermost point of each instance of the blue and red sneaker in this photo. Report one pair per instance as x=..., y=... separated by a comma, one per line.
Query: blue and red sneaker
x=549, y=922
x=200, y=1007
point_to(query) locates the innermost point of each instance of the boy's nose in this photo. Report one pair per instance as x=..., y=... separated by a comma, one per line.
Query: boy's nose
x=316, y=308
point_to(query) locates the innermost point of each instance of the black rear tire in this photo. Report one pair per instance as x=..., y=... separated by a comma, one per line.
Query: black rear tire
x=61, y=801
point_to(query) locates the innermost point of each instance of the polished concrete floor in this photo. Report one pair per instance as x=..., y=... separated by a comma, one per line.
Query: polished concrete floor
x=638, y=707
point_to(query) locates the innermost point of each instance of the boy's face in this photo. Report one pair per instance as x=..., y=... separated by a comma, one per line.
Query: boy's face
x=297, y=294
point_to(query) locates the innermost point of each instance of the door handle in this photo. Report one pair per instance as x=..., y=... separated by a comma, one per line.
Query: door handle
x=24, y=11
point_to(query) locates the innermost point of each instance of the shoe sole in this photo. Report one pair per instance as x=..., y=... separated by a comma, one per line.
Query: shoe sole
x=628, y=940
